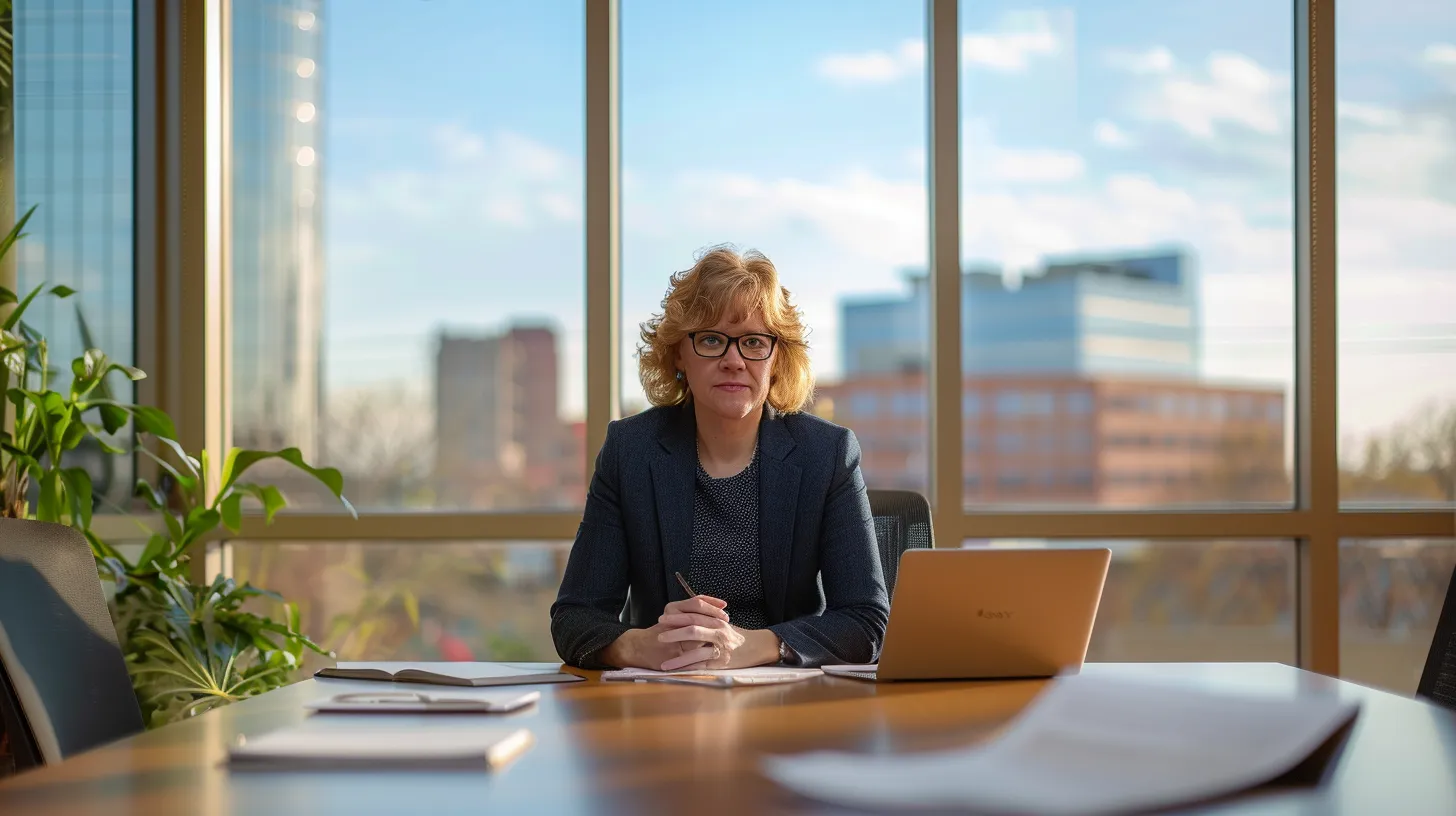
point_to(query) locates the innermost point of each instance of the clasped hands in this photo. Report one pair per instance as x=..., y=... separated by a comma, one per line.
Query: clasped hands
x=694, y=634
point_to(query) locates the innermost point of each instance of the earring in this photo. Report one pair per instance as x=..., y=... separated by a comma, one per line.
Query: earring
x=679, y=375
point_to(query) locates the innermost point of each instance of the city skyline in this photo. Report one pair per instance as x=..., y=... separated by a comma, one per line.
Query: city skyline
x=1148, y=131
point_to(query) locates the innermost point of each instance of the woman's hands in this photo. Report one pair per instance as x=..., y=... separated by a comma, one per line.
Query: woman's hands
x=699, y=628
x=693, y=634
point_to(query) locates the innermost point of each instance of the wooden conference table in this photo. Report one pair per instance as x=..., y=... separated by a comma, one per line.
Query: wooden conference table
x=644, y=748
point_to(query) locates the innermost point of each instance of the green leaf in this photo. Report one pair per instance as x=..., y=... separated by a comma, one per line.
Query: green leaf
x=62, y=291
x=232, y=512
x=113, y=418
x=156, y=548
x=239, y=460
x=269, y=496
x=154, y=498
x=154, y=421
x=186, y=482
x=72, y=432
x=14, y=317
x=78, y=484
x=96, y=432
x=48, y=506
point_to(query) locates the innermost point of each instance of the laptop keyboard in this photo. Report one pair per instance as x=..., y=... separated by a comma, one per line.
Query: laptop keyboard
x=863, y=675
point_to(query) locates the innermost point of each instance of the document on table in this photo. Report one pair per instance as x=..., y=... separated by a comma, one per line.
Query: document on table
x=307, y=748
x=722, y=678
x=1089, y=745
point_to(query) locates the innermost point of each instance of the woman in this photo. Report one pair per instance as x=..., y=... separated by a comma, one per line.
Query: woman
x=760, y=508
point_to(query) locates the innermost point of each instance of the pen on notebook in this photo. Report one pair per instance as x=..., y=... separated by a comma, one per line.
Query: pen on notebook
x=686, y=588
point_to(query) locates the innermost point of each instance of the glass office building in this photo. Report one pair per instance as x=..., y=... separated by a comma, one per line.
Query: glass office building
x=277, y=217
x=74, y=164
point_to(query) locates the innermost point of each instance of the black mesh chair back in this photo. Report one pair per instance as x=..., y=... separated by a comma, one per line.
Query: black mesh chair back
x=902, y=522
x=1438, y=680
x=63, y=682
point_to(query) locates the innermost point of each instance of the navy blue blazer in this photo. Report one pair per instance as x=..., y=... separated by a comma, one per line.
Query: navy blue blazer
x=823, y=585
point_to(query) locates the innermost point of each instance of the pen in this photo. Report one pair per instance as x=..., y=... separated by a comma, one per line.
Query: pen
x=684, y=582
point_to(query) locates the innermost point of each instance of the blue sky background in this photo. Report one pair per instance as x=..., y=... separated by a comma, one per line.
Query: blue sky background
x=452, y=154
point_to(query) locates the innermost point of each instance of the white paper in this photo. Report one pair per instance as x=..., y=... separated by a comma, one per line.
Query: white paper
x=404, y=701
x=1090, y=744
x=752, y=676
x=308, y=745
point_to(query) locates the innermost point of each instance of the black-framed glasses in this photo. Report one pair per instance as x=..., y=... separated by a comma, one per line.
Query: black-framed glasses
x=753, y=346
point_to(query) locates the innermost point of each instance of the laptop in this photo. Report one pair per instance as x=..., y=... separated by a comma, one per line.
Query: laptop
x=989, y=613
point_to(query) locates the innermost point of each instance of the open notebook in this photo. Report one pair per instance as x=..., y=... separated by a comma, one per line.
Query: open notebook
x=310, y=748
x=451, y=673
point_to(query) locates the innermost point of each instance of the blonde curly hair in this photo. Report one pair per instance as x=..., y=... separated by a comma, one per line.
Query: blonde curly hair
x=697, y=298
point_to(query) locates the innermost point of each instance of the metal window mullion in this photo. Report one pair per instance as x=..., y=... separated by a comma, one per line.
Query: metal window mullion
x=192, y=240
x=1317, y=337
x=944, y=186
x=602, y=189
x=1170, y=527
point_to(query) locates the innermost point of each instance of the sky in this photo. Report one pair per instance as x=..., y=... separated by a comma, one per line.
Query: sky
x=453, y=156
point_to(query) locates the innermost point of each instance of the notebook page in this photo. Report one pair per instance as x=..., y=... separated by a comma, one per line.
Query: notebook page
x=462, y=670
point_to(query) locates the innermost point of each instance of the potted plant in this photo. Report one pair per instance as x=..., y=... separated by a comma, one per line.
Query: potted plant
x=190, y=647
x=40, y=425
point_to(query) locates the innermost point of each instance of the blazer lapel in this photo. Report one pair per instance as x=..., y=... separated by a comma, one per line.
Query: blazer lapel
x=673, y=476
x=778, y=498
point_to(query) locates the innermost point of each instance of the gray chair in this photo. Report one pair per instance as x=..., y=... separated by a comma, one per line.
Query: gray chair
x=902, y=522
x=1438, y=680
x=64, y=687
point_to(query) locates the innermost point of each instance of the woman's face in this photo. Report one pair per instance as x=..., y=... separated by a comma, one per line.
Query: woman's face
x=732, y=384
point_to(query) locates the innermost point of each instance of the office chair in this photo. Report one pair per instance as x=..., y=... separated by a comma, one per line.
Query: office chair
x=1438, y=680
x=63, y=682
x=902, y=522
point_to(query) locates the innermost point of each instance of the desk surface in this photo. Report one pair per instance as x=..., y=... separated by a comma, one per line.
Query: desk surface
x=650, y=748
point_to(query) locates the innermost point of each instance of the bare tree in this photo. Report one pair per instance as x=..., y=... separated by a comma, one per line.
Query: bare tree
x=380, y=438
x=1414, y=460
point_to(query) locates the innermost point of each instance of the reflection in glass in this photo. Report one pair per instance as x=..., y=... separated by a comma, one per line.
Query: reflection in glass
x=808, y=146
x=1198, y=601
x=407, y=272
x=73, y=126
x=1127, y=331
x=1396, y=181
x=1391, y=594
x=415, y=600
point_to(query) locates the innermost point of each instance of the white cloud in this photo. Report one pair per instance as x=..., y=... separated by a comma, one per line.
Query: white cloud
x=1036, y=166
x=1155, y=60
x=1012, y=44
x=1108, y=134
x=1440, y=54
x=1404, y=161
x=874, y=67
x=1367, y=115
x=1235, y=91
x=476, y=180
x=1007, y=48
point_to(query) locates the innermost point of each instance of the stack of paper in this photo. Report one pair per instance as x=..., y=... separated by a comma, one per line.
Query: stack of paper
x=754, y=676
x=310, y=748
x=1090, y=744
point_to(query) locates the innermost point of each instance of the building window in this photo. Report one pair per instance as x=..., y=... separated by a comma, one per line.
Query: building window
x=1078, y=402
x=1010, y=442
x=863, y=404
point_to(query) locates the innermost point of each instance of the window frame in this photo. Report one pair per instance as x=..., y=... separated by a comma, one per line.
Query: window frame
x=182, y=155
